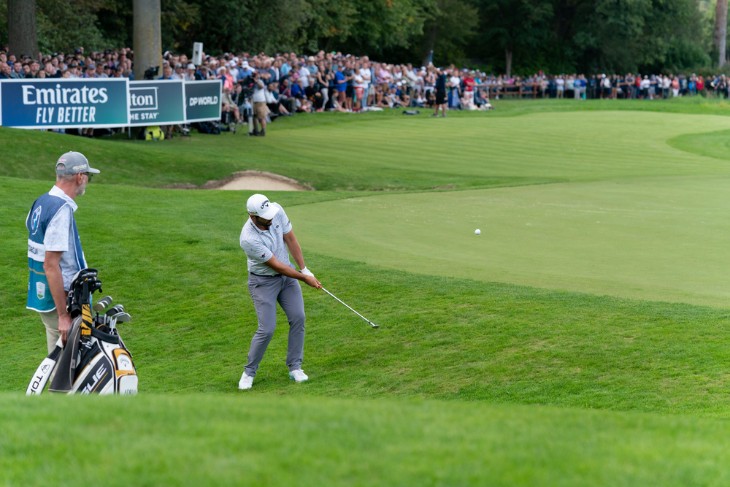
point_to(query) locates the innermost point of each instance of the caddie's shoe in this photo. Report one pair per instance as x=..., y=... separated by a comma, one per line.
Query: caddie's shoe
x=245, y=383
x=298, y=375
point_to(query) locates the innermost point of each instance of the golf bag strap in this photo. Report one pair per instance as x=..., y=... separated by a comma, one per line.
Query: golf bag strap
x=66, y=370
x=104, y=337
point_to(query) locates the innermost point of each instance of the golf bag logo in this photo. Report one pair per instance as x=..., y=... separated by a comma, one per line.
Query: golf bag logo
x=40, y=290
x=96, y=379
x=35, y=219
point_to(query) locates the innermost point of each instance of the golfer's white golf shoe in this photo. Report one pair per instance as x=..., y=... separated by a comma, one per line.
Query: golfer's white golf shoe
x=245, y=383
x=298, y=375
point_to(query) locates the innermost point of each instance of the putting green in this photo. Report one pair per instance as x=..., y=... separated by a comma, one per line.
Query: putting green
x=661, y=239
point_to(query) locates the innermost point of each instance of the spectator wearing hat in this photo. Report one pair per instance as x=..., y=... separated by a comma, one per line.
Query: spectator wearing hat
x=244, y=71
x=226, y=78
x=190, y=72
x=341, y=87
x=54, y=248
x=89, y=72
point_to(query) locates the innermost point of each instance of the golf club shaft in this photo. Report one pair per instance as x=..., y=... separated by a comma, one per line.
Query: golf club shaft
x=350, y=308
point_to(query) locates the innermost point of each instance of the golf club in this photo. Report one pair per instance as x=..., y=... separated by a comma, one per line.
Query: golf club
x=115, y=309
x=120, y=317
x=102, y=304
x=350, y=308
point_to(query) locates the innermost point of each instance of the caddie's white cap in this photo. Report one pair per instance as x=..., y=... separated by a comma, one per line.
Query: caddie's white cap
x=258, y=205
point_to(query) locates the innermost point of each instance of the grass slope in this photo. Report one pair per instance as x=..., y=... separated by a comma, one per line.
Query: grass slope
x=492, y=376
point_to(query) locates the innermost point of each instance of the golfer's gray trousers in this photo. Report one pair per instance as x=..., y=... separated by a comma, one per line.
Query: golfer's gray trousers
x=265, y=293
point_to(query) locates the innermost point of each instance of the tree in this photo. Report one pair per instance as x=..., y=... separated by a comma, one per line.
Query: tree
x=328, y=24
x=519, y=28
x=65, y=26
x=447, y=32
x=721, y=31
x=638, y=35
x=22, y=33
x=385, y=26
x=147, y=36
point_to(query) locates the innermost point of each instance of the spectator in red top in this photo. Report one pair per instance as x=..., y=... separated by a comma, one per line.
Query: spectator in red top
x=468, y=81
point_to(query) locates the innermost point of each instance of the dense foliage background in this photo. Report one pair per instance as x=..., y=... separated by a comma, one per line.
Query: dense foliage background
x=521, y=36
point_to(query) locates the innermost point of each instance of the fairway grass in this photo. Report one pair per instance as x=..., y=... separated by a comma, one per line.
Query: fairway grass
x=581, y=339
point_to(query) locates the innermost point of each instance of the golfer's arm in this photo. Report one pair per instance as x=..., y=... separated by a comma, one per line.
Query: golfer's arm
x=282, y=268
x=294, y=249
x=52, y=268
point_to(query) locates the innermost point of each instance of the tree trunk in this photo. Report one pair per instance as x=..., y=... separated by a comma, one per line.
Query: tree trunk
x=22, y=34
x=721, y=31
x=429, y=45
x=147, y=37
x=508, y=62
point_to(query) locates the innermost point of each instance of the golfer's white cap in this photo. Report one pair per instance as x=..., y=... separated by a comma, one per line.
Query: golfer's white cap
x=258, y=205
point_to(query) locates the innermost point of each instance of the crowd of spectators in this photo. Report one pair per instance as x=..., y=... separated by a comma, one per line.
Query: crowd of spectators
x=107, y=64
x=289, y=83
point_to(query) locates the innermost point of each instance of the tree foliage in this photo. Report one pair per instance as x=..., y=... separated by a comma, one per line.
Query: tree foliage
x=524, y=35
x=449, y=31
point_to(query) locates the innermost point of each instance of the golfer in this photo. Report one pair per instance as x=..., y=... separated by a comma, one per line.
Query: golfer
x=268, y=239
x=54, y=247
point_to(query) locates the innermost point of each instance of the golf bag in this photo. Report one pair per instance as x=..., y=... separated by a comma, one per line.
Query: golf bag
x=94, y=359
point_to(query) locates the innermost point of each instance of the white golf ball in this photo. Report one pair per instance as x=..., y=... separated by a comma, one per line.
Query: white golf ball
x=477, y=232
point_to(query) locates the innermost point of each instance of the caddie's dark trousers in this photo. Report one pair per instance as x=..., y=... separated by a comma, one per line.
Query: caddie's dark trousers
x=265, y=293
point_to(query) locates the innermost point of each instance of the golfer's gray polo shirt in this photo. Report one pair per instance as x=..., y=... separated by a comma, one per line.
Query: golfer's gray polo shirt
x=260, y=245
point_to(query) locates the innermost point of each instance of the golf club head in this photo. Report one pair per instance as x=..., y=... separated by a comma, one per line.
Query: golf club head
x=115, y=309
x=102, y=304
x=122, y=317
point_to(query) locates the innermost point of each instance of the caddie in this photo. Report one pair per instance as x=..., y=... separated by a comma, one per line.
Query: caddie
x=54, y=247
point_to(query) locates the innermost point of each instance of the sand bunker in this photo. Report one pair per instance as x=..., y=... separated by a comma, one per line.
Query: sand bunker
x=257, y=181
